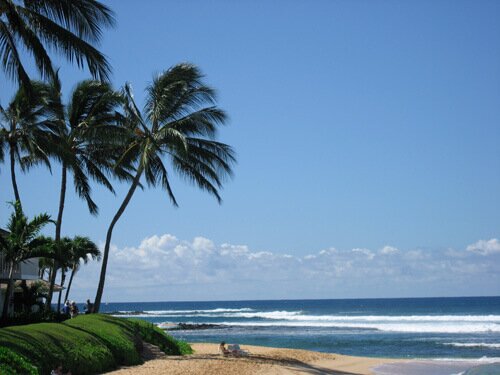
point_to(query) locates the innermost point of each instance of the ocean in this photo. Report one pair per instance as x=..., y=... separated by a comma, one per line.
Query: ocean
x=447, y=335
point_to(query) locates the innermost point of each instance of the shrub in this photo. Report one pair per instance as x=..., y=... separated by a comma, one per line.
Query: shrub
x=12, y=364
x=117, y=335
x=45, y=345
x=156, y=336
x=88, y=344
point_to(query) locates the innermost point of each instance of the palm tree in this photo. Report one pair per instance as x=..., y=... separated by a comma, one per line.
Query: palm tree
x=61, y=253
x=22, y=243
x=86, y=131
x=44, y=266
x=179, y=123
x=67, y=27
x=24, y=129
x=82, y=250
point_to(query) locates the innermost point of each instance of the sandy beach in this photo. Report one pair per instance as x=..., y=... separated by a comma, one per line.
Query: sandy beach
x=262, y=360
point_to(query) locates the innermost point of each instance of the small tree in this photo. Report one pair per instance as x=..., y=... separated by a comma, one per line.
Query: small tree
x=24, y=131
x=22, y=243
x=82, y=250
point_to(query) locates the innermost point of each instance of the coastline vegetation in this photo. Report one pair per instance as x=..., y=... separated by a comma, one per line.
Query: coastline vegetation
x=99, y=136
x=88, y=344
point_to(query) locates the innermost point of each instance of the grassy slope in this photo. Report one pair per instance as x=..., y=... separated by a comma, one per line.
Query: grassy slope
x=89, y=344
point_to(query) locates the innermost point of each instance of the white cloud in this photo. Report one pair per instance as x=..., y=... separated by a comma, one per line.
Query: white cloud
x=485, y=247
x=368, y=253
x=388, y=250
x=167, y=268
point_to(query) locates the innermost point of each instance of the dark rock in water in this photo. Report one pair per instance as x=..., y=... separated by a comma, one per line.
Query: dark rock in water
x=193, y=326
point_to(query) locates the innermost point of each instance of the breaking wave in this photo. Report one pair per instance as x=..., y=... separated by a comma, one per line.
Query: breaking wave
x=167, y=313
x=409, y=328
x=473, y=345
x=298, y=318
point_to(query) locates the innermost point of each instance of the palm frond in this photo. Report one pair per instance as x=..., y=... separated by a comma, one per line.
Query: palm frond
x=10, y=58
x=30, y=40
x=82, y=187
x=83, y=17
x=69, y=44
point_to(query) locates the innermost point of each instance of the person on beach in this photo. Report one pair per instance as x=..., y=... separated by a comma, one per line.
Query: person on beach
x=73, y=310
x=223, y=350
x=237, y=352
x=89, y=307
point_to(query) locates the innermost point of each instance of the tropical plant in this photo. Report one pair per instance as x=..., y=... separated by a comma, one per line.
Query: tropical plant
x=60, y=255
x=77, y=249
x=21, y=243
x=179, y=123
x=24, y=130
x=67, y=27
x=32, y=294
x=86, y=131
x=44, y=266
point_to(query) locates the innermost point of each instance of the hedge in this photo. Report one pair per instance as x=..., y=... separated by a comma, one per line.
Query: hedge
x=88, y=344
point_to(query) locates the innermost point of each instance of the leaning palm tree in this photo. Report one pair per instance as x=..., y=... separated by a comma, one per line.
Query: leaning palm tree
x=179, y=124
x=67, y=27
x=22, y=243
x=24, y=131
x=82, y=250
x=87, y=132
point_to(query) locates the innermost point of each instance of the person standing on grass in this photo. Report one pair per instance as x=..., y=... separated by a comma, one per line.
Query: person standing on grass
x=73, y=310
x=89, y=307
x=66, y=308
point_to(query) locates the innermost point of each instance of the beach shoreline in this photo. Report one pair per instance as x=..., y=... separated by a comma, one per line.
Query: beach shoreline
x=262, y=360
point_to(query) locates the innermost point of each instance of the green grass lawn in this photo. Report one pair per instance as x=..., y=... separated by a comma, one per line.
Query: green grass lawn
x=88, y=344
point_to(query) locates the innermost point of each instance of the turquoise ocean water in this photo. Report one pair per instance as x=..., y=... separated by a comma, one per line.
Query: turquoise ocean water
x=447, y=335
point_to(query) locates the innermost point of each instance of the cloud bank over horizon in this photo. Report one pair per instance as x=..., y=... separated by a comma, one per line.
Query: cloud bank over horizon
x=165, y=268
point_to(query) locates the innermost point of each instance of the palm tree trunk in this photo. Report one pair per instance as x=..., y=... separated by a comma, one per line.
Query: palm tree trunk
x=102, y=278
x=8, y=292
x=62, y=198
x=69, y=284
x=13, y=173
x=63, y=278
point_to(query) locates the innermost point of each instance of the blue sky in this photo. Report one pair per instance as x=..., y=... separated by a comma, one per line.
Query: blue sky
x=358, y=125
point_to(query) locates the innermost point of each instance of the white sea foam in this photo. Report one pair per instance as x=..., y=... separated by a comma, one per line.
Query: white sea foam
x=483, y=359
x=167, y=313
x=410, y=328
x=297, y=315
x=214, y=311
x=387, y=323
x=473, y=344
x=300, y=316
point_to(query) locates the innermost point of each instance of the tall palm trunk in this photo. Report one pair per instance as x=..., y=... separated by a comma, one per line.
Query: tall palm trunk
x=13, y=172
x=53, y=272
x=63, y=278
x=8, y=293
x=102, y=278
x=73, y=271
